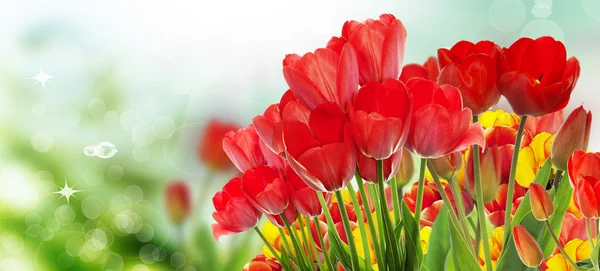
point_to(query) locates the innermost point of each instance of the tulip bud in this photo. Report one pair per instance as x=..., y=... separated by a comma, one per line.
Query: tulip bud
x=528, y=249
x=448, y=165
x=541, y=203
x=490, y=168
x=406, y=169
x=574, y=134
x=263, y=263
x=178, y=201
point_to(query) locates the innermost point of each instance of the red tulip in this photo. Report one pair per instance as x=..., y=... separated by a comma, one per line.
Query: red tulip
x=573, y=135
x=263, y=263
x=233, y=211
x=490, y=165
x=323, y=76
x=574, y=228
x=527, y=247
x=321, y=151
x=466, y=199
x=430, y=213
x=473, y=69
x=209, y=147
x=583, y=164
x=430, y=195
x=379, y=46
x=537, y=78
x=367, y=167
x=429, y=70
x=440, y=125
x=502, y=138
x=269, y=126
x=542, y=206
x=548, y=123
x=380, y=118
x=290, y=214
x=265, y=187
x=496, y=208
x=242, y=147
x=304, y=198
x=178, y=201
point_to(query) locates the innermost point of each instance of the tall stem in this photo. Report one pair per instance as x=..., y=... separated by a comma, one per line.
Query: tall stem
x=588, y=229
x=458, y=200
x=363, y=230
x=297, y=244
x=562, y=250
x=370, y=221
x=326, y=255
x=348, y=229
x=478, y=237
x=269, y=246
x=445, y=199
x=558, y=177
x=511, y=179
x=308, y=246
x=388, y=227
x=395, y=200
x=420, y=189
x=294, y=255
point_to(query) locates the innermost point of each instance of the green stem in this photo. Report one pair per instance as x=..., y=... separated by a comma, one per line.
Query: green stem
x=288, y=247
x=445, y=199
x=333, y=235
x=269, y=246
x=481, y=209
x=420, y=189
x=395, y=200
x=511, y=179
x=348, y=229
x=363, y=230
x=477, y=237
x=388, y=227
x=458, y=200
x=562, y=250
x=326, y=255
x=370, y=222
x=309, y=246
x=300, y=252
x=558, y=177
x=588, y=229
x=380, y=224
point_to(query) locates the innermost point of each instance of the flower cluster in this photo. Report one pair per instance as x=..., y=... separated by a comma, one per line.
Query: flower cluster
x=328, y=164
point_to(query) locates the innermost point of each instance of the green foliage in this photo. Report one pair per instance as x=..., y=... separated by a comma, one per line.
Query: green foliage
x=414, y=255
x=464, y=258
x=438, y=247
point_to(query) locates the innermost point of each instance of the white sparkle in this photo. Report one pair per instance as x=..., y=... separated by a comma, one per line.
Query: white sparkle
x=67, y=191
x=42, y=77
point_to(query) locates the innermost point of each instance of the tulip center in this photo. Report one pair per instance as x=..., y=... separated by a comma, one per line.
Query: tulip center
x=539, y=81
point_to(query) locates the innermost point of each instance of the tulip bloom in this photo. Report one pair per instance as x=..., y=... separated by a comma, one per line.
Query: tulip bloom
x=430, y=195
x=367, y=167
x=473, y=69
x=178, y=201
x=574, y=228
x=533, y=157
x=322, y=76
x=527, y=247
x=577, y=250
x=573, y=135
x=209, y=147
x=263, y=263
x=407, y=168
x=304, y=198
x=584, y=173
x=498, y=118
x=496, y=241
x=542, y=206
x=234, y=213
x=497, y=208
x=549, y=123
x=265, y=187
x=448, y=165
x=537, y=78
x=440, y=124
x=242, y=148
x=290, y=214
x=379, y=46
x=491, y=166
x=380, y=117
x=321, y=151
x=429, y=70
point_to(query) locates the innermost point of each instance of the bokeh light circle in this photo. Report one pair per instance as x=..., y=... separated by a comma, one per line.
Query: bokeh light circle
x=145, y=234
x=128, y=120
x=92, y=207
x=180, y=149
x=93, y=175
x=507, y=15
x=178, y=260
x=115, y=172
x=64, y=215
x=33, y=219
x=592, y=8
x=140, y=154
x=140, y=267
x=97, y=107
x=111, y=118
x=42, y=142
x=543, y=27
x=12, y=243
x=142, y=135
x=146, y=253
x=65, y=260
x=163, y=127
x=541, y=11
x=112, y=261
x=74, y=246
x=134, y=193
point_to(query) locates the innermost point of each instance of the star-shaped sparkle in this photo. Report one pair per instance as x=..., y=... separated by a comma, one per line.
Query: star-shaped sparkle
x=67, y=191
x=42, y=77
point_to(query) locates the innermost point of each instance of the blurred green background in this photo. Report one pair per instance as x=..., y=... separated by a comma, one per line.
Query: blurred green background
x=147, y=75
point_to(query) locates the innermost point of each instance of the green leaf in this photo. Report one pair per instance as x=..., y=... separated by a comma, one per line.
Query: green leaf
x=594, y=258
x=438, y=247
x=561, y=199
x=541, y=178
x=465, y=260
x=414, y=253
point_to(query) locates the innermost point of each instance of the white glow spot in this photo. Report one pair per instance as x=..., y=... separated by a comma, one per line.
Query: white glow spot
x=42, y=77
